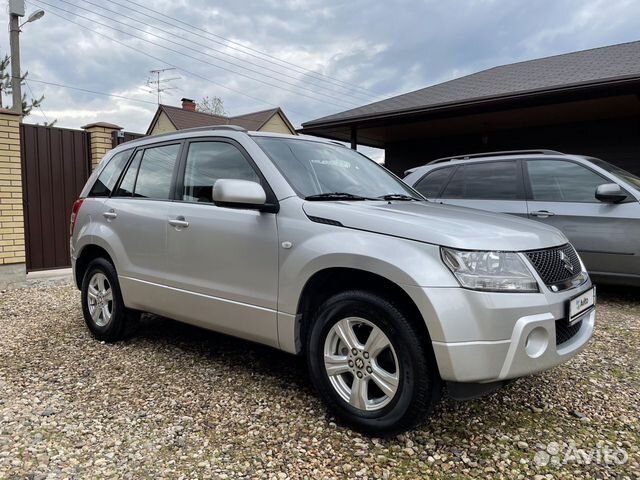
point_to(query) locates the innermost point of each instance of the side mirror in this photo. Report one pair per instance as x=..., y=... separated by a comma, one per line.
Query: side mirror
x=238, y=194
x=610, y=193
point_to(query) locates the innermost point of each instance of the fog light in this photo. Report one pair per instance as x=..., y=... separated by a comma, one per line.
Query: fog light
x=537, y=342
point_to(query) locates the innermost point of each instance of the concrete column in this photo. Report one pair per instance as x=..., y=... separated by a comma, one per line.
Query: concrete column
x=101, y=138
x=12, y=244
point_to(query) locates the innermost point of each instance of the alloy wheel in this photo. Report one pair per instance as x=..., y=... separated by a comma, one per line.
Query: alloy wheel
x=100, y=299
x=361, y=364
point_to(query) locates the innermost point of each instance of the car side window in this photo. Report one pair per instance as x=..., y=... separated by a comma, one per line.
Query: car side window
x=156, y=171
x=431, y=184
x=208, y=162
x=129, y=180
x=561, y=181
x=485, y=181
x=109, y=175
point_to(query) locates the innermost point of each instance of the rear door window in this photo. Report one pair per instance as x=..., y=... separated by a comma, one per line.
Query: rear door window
x=485, y=181
x=109, y=175
x=155, y=173
x=432, y=183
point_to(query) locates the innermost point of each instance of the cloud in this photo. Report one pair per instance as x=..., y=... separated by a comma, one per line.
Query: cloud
x=358, y=51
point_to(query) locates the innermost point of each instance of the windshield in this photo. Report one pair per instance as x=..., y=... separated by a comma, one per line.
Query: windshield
x=320, y=171
x=617, y=172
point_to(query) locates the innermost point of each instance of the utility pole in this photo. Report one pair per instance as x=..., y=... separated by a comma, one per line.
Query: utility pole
x=159, y=83
x=16, y=10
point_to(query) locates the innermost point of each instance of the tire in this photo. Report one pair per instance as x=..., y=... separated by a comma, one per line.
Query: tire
x=114, y=322
x=399, y=384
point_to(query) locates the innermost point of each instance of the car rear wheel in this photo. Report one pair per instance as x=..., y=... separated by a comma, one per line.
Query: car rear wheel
x=102, y=305
x=371, y=365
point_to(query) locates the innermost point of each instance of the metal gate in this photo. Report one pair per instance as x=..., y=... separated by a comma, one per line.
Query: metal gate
x=55, y=167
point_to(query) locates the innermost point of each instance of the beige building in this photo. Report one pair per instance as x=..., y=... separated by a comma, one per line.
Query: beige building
x=170, y=119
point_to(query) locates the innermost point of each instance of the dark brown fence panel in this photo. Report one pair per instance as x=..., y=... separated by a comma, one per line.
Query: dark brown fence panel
x=120, y=137
x=55, y=163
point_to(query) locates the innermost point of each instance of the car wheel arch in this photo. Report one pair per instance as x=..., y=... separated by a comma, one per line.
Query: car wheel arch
x=329, y=281
x=89, y=253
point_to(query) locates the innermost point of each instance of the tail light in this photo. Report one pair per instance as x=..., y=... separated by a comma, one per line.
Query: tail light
x=74, y=214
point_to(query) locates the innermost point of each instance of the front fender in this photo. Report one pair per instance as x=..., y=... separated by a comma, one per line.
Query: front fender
x=403, y=262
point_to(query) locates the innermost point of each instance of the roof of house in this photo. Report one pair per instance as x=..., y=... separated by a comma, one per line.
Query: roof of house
x=571, y=70
x=182, y=119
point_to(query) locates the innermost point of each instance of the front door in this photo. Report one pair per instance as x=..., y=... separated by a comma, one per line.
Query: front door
x=562, y=194
x=223, y=262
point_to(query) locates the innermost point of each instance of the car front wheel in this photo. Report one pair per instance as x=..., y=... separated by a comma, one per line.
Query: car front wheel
x=370, y=364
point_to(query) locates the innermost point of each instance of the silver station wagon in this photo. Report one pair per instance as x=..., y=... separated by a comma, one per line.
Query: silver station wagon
x=594, y=203
x=312, y=248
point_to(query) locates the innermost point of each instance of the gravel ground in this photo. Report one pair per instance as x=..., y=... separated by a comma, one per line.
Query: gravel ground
x=179, y=402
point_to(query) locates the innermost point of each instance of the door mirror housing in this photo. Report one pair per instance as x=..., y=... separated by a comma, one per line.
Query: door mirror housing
x=240, y=194
x=610, y=193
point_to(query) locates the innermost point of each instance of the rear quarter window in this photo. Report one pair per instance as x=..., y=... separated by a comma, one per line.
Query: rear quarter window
x=433, y=182
x=109, y=175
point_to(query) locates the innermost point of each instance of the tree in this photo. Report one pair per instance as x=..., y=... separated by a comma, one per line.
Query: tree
x=6, y=88
x=211, y=105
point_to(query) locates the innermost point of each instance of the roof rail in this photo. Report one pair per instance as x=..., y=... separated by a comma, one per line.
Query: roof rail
x=494, y=154
x=234, y=128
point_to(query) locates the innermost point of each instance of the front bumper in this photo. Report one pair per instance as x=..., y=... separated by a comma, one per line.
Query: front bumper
x=483, y=337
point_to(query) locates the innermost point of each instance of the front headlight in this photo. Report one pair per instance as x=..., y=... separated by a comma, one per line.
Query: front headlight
x=490, y=271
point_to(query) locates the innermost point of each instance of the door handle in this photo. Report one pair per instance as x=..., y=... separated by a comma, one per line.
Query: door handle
x=542, y=214
x=179, y=222
x=110, y=215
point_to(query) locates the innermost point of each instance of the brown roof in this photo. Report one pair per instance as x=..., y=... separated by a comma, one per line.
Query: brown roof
x=571, y=70
x=182, y=119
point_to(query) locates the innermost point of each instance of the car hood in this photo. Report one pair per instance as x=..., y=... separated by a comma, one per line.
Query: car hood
x=438, y=224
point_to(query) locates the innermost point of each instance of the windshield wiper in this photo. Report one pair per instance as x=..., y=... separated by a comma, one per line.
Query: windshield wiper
x=398, y=196
x=335, y=196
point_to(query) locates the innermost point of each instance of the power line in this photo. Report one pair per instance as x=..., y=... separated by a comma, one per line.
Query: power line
x=193, y=57
x=38, y=106
x=302, y=70
x=262, y=67
x=202, y=77
x=61, y=85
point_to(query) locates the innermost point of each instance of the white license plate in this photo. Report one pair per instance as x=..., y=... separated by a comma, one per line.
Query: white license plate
x=580, y=304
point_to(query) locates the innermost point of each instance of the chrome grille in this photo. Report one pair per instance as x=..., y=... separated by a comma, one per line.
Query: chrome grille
x=553, y=264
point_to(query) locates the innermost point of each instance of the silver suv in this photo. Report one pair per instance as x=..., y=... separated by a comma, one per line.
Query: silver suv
x=594, y=203
x=314, y=249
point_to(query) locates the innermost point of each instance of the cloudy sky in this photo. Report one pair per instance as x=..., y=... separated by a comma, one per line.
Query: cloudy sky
x=311, y=57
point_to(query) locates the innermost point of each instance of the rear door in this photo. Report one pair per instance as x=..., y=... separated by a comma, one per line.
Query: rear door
x=496, y=186
x=137, y=215
x=562, y=193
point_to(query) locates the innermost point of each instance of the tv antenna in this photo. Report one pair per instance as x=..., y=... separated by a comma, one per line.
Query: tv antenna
x=155, y=81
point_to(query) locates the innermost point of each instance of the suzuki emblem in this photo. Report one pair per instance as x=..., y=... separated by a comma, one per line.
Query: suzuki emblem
x=567, y=261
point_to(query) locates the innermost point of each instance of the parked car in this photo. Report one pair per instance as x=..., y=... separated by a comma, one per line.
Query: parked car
x=312, y=248
x=594, y=203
